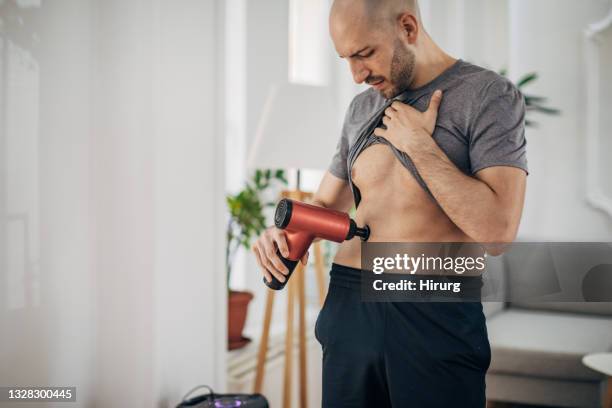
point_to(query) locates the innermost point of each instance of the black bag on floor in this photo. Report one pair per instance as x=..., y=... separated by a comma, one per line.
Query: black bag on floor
x=212, y=400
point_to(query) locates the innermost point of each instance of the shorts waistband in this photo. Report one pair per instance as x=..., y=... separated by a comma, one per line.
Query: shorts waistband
x=345, y=276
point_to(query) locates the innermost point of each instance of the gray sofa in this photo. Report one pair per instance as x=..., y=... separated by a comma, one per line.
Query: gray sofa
x=537, y=350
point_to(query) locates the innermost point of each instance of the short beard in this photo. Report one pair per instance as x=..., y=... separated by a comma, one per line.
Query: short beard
x=402, y=70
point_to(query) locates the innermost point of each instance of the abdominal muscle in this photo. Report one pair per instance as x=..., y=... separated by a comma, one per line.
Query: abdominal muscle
x=394, y=206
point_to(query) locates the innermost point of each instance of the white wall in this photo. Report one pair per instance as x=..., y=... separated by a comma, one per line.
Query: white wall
x=556, y=206
x=474, y=30
x=123, y=176
x=190, y=285
x=119, y=288
x=267, y=47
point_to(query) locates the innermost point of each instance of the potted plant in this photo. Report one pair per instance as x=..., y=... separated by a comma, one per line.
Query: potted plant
x=247, y=221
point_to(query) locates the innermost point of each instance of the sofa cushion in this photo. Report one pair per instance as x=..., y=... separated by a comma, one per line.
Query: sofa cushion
x=545, y=392
x=491, y=308
x=598, y=308
x=547, y=344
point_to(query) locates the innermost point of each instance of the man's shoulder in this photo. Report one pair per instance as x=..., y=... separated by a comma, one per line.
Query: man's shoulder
x=361, y=108
x=365, y=103
x=483, y=82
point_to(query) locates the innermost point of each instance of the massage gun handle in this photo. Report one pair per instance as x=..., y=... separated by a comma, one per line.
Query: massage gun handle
x=275, y=283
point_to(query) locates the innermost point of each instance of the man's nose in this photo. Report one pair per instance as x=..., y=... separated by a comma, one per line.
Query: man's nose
x=359, y=71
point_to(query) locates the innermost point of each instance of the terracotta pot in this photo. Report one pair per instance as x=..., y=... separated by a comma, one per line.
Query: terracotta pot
x=238, y=304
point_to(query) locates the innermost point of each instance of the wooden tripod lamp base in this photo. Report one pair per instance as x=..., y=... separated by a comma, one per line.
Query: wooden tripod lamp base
x=294, y=287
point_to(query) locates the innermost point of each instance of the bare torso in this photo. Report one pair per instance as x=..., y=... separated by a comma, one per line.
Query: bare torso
x=394, y=205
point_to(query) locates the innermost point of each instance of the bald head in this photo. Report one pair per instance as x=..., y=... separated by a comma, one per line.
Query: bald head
x=378, y=13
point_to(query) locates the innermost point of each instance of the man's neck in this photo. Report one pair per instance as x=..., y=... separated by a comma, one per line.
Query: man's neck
x=431, y=65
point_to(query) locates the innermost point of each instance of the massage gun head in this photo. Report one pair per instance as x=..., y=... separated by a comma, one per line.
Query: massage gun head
x=282, y=216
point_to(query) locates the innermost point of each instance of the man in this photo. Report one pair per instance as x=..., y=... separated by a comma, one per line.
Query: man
x=446, y=162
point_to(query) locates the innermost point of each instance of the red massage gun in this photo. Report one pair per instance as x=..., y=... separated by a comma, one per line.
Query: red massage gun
x=303, y=223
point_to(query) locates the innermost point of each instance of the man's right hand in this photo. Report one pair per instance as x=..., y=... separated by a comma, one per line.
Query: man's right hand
x=265, y=247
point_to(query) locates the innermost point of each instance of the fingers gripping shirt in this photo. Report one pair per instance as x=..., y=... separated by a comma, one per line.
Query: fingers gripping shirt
x=480, y=123
x=366, y=137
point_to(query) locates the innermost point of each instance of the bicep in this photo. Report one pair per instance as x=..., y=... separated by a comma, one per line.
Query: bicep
x=334, y=193
x=508, y=184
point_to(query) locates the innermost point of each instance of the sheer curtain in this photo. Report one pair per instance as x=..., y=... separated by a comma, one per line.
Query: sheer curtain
x=111, y=198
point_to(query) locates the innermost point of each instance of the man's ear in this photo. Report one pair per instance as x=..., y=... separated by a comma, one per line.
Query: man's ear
x=409, y=25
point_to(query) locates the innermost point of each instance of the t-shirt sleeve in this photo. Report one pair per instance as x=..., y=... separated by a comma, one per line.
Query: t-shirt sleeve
x=497, y=137
x=338, y=165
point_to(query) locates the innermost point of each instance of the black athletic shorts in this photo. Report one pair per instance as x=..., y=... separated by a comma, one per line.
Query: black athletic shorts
x=401, y=354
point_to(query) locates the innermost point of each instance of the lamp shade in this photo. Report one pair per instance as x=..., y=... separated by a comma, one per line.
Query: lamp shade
x=297, y=129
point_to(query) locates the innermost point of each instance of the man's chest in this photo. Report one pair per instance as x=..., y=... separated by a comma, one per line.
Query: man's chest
x=382, y=178
x=376, y=164
x=379, y=162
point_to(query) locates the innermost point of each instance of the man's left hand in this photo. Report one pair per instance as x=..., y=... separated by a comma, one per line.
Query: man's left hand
x=408, y=128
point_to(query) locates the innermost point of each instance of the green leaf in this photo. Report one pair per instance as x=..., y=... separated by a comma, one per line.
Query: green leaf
x=545, y=110
x=526, y=79
x=532, y=100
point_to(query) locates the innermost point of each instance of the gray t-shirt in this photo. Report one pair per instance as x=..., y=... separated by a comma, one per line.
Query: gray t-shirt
x=480, y=122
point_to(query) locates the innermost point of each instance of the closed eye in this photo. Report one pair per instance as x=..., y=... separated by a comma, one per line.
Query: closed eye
x=365, y=52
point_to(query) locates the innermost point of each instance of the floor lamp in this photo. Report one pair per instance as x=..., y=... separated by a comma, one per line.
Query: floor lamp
x=297, y=130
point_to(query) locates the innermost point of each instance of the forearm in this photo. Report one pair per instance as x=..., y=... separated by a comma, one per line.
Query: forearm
x=470, y=203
